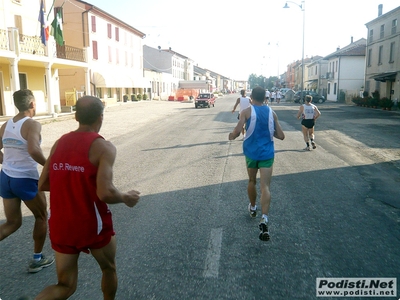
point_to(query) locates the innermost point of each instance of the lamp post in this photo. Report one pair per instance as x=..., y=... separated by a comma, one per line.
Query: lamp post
x=302, y=7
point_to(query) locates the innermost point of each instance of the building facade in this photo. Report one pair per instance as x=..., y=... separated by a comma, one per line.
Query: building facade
x=346, y=71
x=382, y=65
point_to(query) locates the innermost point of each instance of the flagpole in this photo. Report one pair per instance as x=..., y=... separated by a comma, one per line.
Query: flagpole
x=48, y=14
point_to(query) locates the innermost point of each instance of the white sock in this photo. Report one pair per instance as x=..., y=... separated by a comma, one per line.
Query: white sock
x=253, y=207
x=265, y=217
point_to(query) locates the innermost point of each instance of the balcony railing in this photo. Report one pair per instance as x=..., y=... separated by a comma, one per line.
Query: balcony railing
x=71, y=53
x=3, y=40
x=31, y=45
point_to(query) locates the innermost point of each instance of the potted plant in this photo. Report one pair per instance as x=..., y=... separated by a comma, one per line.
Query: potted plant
x=357, y=100
x=125, y=97
x=374, y=102
x=133, y=97
x=389, y=104
x=144, y=96
x=139, y=97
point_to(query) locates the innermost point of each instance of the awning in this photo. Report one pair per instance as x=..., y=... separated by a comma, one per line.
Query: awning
x=312, y=85
x=386, y=76
x=112, y=80
x=194, y=84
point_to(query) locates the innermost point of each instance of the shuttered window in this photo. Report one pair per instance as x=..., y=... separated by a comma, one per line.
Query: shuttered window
x=93, y=23
x=117, y=34
x=95, y=51
x=109, y=33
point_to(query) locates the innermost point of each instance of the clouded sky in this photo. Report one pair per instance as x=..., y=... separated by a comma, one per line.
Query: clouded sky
x=236, y=38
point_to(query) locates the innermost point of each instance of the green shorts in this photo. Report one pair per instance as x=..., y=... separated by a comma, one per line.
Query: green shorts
x=257, y=164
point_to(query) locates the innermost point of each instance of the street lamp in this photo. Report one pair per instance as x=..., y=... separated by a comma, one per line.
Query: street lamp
x=302, y=7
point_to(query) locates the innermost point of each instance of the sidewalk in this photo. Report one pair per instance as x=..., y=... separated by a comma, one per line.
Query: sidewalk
x=42, y=118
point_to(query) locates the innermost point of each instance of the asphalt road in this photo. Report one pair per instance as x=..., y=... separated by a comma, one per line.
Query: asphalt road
x=334, y=212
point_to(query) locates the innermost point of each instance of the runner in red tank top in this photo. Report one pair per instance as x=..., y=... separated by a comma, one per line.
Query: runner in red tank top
x=78, y=174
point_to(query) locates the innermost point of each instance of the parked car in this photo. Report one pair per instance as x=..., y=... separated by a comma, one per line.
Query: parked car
x=284, y=91
x=316, y=98
x=204, y=100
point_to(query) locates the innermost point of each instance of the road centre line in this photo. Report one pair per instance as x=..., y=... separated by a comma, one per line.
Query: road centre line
x=211, y=267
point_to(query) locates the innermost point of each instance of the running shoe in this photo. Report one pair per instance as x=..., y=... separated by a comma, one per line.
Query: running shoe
x=313, y=145
x=36, y=266
x=264, y=233
x=307, y=148
x=253, y=212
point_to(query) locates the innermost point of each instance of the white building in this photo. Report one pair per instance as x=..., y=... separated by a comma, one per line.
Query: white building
x=346, y=70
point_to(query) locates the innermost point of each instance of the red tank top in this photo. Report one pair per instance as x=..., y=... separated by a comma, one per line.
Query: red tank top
x=77, y=216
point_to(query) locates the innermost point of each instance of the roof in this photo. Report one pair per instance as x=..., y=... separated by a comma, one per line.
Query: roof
x=379, y=18
x=116, y=20
x=356, y=48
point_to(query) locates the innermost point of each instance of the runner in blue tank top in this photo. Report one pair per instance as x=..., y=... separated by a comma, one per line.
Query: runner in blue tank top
x=262, y=126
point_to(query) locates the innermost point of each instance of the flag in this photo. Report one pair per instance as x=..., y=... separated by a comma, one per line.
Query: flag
x=56, y=29
x=44, y=37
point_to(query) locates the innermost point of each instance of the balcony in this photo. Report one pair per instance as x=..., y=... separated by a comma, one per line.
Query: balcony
x=71, y=53
x=3, y=40
x=20, y=43
x=31, y=45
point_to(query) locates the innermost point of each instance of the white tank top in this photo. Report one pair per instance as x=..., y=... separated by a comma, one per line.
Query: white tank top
x=244, y=103
x=17, y=162
x=308, y=112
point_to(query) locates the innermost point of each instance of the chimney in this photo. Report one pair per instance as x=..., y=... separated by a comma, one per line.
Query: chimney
x=380, y=6
x=351, y=40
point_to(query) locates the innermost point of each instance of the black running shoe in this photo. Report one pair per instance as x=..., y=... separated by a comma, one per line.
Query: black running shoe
x=264, y=233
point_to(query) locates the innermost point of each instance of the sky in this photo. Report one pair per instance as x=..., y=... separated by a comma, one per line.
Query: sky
x=239, y=38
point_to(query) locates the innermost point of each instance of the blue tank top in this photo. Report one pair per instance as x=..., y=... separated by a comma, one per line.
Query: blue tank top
x=258, y=143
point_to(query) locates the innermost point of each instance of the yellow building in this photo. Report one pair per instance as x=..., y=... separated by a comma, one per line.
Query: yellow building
x=100, y=55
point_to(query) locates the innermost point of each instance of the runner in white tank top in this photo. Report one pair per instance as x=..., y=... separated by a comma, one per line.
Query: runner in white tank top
x=309, y=113
x=243, y=102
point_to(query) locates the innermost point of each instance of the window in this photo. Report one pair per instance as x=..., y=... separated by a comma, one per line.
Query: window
x=329, y=88
x=18, y=24
x=334, y=88
x=382, y=33
x=117, y=34
x=371, y=35
x=45, y=87
x=93, y=23
x=95, y=53
x=117, y=56
x=366, y=86
x=336, y=66
x=23, y=82
x=109, y=34
x=59, y=9
x=99, y=93
x=380, y=55
x=377, y=86
x=126, y=58
x=394, y=26
x=392, y=51
x=369, y=57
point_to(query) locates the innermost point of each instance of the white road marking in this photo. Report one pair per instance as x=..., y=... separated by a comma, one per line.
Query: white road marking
x=213, y=254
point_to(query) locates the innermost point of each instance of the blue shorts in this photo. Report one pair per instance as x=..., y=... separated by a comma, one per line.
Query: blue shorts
x=22, y=188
